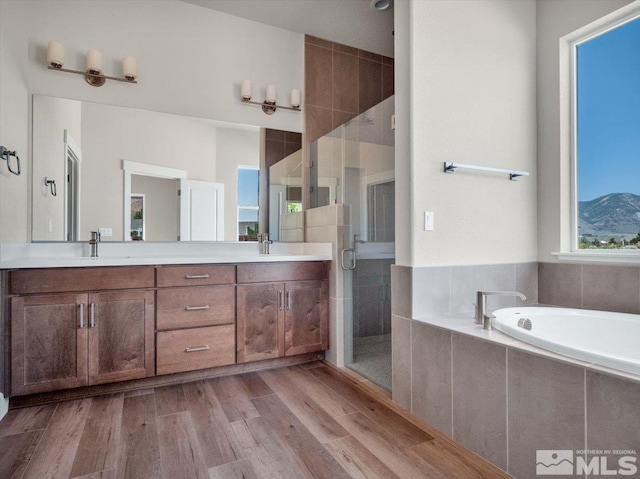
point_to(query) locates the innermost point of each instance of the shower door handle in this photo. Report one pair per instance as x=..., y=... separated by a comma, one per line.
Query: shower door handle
x=352, y=266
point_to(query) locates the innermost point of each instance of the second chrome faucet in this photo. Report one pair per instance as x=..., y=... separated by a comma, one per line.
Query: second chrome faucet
x=482, y=317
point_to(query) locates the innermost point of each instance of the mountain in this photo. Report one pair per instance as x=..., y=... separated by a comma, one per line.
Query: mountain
x=616, y=213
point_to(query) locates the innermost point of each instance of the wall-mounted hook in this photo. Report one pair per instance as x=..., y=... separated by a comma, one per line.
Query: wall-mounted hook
x=51, y=184
x=6, y=156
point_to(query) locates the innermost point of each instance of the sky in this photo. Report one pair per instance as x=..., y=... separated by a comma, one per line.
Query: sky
x=609, y=113
x=248, y=193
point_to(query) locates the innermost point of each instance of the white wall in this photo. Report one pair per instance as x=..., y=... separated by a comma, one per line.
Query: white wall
x=234, y=148
x=473, y=100
x=556, y=19
x=112, y=134
x=403, y=108
x=50, y=120
x=14, y=107
x=191, y=61
x=350, y=22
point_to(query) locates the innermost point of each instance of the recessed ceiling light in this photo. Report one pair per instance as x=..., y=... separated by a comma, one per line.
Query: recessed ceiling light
x=381, y=5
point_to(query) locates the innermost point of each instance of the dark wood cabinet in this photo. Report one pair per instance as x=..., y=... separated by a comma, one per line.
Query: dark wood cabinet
x=121, y=343
x=48, y=343
x=260, y=321
x=66, y=341
x=281, y=319
x=306, y=319
x=75, y=327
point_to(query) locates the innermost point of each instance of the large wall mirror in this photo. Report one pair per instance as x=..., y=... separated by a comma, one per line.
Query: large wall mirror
x=139, y=175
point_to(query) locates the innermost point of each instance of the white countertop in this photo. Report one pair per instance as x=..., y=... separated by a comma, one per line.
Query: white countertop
x=61, y=255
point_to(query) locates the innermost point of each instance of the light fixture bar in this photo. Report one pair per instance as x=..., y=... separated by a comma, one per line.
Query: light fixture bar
x=93, y=75
x=270, y=106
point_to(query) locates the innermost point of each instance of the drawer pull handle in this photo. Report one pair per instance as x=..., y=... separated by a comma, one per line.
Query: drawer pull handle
x=196, y=276
x=196, y=308
x=195, y=350
x=81, y=315
x=92, y=315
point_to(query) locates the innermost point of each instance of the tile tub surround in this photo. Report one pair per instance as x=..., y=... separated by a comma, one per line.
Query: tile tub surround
x=466, y=381
x=602, y=287
x=424, y=291
x=503, y=399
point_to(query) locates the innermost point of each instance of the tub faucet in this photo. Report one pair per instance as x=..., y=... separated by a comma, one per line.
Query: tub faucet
x=481, y=308
x=93, y=242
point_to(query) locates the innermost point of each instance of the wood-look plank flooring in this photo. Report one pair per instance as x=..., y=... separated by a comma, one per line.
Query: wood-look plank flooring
x=308, y=421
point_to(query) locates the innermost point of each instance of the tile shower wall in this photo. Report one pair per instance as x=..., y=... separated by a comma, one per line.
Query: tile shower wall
x=292, y=227
x=340, y=83
x=500, y=402
x=372, y=297
x=326, y=225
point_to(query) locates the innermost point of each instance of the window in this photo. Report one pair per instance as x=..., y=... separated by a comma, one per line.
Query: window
x=606, y=138
x=248, y=193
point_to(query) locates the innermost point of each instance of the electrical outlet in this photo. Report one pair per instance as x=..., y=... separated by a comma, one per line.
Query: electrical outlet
x=105, y=232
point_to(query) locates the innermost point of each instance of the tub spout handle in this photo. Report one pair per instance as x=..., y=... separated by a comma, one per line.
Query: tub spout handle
x=481, y=309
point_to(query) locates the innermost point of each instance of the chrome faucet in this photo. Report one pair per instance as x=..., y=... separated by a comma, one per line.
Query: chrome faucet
x=264, y=241
x=481, y=306
x=93, y=242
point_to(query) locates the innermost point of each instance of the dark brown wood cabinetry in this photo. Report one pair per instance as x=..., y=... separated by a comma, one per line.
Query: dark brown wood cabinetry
x=196, y=317
x=282, y=318
x=121, y=345
x=48, y=343
x=61, y=341
x=74, y=327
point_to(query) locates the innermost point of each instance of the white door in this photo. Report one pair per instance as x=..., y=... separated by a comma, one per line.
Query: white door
x=201, y=211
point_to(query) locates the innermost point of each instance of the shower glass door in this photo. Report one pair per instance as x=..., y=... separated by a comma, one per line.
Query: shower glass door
x=355, y=166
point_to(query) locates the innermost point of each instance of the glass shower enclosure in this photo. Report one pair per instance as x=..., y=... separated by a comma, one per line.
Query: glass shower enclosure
x=354, y=165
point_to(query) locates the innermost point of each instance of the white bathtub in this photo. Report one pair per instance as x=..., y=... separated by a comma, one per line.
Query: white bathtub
x=598, y=337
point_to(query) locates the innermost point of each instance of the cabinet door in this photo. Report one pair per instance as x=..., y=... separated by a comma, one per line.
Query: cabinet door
x=121, y=339
x=260, y=321
x=48, y=343
x=306, y=324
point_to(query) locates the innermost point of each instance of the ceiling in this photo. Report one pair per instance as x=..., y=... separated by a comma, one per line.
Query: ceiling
x=351, y=22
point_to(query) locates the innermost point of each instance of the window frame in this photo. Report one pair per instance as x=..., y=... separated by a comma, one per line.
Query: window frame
x=573, y=46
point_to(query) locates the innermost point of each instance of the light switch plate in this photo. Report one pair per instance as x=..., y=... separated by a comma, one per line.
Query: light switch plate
x=105, y=232
x=428, y=221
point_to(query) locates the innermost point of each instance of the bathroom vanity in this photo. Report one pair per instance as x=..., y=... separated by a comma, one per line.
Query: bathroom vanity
x=74, y=327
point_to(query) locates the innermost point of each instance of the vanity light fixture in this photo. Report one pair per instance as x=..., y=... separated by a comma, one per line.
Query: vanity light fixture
x=269, y=105
x=93, y=75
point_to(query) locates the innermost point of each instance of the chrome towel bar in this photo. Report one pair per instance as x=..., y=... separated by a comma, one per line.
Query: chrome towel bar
x=450, y=167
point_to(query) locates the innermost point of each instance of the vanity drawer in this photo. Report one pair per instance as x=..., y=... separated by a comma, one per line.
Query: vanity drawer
x=58, y=280
x=195, y=275
x=192, y=307
x=267, y=272
x=199, y=348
